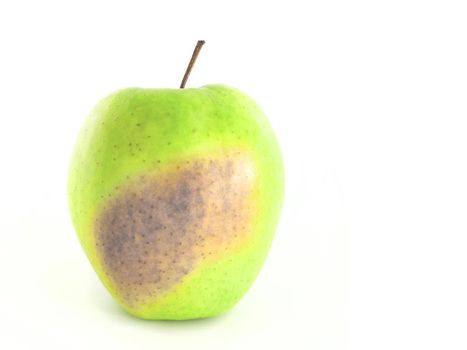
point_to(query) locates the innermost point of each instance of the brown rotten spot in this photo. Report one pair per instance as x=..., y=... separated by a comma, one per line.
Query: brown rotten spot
x=155, y=231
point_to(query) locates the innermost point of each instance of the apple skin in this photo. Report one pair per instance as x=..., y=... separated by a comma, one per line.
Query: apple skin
x=175, y=195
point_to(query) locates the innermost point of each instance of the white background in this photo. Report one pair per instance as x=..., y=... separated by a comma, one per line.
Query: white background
x=369, y=100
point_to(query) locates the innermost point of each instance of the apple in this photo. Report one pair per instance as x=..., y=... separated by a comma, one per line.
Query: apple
x=175, y=195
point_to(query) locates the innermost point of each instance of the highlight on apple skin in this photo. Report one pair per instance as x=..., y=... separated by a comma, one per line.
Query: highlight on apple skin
x=175, y=195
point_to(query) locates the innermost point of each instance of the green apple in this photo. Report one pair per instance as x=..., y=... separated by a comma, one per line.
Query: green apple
x=175, y=195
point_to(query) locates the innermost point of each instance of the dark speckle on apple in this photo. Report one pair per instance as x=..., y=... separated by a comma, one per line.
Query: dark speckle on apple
x=158, y=227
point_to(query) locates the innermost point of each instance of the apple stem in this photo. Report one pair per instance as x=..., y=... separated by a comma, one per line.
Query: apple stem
x=198, y=47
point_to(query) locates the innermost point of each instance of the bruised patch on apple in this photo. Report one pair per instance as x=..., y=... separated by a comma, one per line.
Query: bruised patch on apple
x=158, y=228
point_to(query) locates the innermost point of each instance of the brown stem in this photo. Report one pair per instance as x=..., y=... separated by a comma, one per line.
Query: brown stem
x=198, y=47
